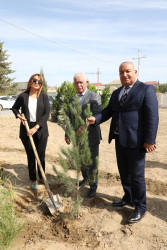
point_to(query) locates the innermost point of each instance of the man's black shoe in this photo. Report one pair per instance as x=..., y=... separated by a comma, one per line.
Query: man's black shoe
x=122, y=203
x=91, y=193
x=135, y=217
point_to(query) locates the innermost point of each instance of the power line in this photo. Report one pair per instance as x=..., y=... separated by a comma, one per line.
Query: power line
x=46, y=39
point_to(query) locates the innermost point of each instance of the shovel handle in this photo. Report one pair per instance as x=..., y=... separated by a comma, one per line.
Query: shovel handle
x=39, y=163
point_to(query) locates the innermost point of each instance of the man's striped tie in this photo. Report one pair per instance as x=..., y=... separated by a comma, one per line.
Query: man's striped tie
x=124, y=95
x=122, y=100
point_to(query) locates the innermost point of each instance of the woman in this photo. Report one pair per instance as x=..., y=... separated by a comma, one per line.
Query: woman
x=35, y=106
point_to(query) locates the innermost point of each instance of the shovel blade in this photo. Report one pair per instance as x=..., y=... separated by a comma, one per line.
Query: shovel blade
x=56, y=202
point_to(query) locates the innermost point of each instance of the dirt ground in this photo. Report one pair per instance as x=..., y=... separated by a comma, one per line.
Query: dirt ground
x=100, y=225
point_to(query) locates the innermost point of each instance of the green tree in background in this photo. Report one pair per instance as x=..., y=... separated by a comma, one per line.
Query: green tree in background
x=105, y=96
x=163, y=88
x=61, y=102
x=6, y=83
x=92, y=88
x=44, y=88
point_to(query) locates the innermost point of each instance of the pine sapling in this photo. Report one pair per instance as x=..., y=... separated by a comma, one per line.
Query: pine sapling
x=76, y=156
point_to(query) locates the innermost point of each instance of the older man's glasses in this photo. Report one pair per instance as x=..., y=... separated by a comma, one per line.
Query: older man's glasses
x=36, y=80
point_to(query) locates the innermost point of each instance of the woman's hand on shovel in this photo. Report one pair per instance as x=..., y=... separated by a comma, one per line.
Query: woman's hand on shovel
x=32, y=131
x=22, y=119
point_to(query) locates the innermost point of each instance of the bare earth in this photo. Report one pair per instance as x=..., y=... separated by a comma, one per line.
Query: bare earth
x=99, y=226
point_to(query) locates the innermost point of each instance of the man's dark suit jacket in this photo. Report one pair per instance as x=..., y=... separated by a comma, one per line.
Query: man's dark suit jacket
x=42, y=114
x=94, y=133
x=138, y=117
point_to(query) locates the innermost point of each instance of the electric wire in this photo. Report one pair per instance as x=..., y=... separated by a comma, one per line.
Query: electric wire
x=46, y=39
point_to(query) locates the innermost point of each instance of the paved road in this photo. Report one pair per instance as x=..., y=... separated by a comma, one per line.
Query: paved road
x=6, y=112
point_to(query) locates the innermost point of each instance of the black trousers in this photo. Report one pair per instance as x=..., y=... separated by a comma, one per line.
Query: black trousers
x=40, y=144
x=131, y=166
x=87, y=172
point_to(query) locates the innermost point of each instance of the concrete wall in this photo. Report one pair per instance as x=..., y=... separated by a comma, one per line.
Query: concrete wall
x=162, y=100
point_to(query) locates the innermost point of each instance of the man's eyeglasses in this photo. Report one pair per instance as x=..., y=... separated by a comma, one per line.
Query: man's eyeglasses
x=36, y=80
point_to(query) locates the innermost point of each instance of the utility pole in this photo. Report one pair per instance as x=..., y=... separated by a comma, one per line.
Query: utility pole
x=139, y=58
x=98, y=74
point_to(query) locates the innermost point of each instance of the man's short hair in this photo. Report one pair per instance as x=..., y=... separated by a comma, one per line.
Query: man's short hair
x=79, y=74
x=127, y=62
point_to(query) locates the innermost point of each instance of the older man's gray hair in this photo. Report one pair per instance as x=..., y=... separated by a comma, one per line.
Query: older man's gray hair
x=80, y=74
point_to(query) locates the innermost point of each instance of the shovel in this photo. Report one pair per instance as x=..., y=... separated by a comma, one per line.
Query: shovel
x=53, y=203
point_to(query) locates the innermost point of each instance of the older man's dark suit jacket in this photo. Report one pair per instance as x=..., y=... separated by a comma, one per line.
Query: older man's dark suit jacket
x=138, y=117
x=94, y=133
x=42, y=114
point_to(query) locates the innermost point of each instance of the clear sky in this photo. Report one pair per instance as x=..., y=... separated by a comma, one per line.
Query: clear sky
x=68, y=36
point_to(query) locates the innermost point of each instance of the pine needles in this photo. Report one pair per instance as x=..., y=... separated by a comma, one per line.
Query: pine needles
x=77, y=155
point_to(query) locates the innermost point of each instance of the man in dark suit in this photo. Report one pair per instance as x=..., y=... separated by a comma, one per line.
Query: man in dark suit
x=94, y=135
x=134, y=111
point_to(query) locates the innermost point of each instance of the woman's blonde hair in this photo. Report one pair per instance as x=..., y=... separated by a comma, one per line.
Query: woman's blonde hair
x=29, y=83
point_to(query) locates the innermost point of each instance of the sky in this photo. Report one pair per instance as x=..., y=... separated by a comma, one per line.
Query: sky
x=64, y=37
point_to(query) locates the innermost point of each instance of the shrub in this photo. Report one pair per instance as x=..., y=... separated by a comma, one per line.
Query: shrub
x=163, y=88
x=61, y=102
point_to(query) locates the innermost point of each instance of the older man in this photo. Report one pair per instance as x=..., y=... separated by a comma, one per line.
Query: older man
x=134, y=111
x=94, y=135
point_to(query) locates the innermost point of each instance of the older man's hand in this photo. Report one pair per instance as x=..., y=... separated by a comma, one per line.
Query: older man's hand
x=91, y=120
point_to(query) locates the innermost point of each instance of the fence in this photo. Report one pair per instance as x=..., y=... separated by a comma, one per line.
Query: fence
x=162, y=100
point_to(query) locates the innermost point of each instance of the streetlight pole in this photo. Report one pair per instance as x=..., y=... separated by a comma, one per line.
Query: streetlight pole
x=138, y=58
